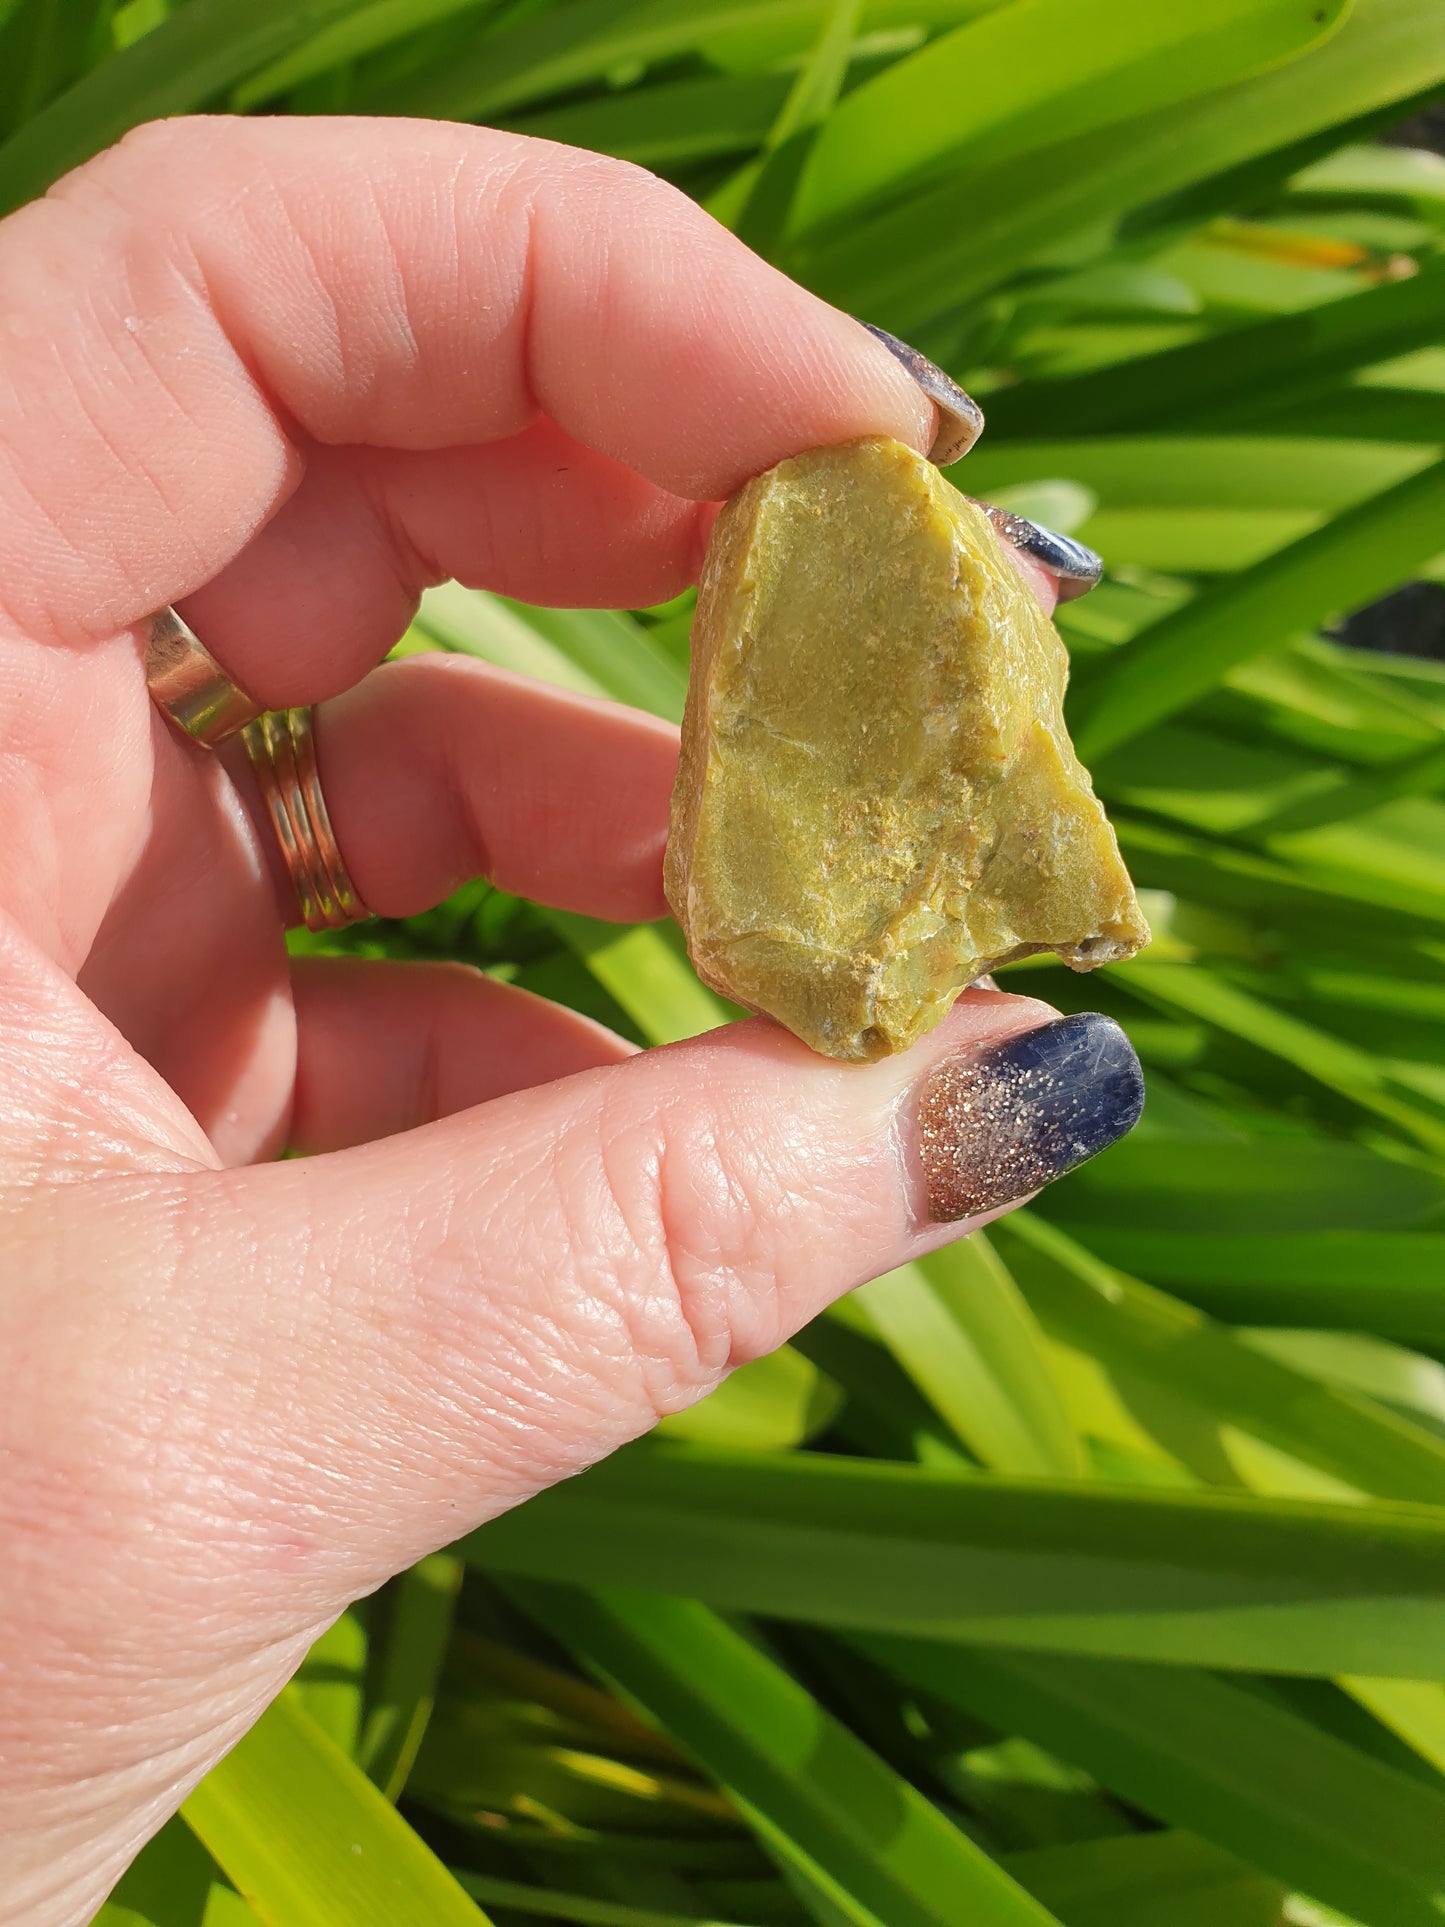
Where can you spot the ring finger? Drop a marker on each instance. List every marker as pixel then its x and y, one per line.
pixel 435 770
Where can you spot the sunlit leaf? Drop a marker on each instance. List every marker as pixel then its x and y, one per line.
pixel 305 1836
pixel 800 1774
pixel 1203 1753
pixel 1038 70
pixel 1207 1578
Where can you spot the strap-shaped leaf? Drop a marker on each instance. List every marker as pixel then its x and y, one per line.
pixel 308 1840
pixel 889 1856
pixel 958 1326
pixel 1391 1282
pixel 1035 71
pixel 1220 381
pixel 1202 1376
pixel 1207 1754
pixel 1206 1578
pixel 912 263
pixel 201 50
pixel 1358 555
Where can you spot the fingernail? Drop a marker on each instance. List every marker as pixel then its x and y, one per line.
pixel 960 419
pixel 1000 1122
pixel 1077 567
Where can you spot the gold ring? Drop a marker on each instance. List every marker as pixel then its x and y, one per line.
pixel 192 688
pixel 282 750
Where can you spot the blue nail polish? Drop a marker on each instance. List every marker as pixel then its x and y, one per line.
pixel 997 1124
pixel 1077 567
pixel 960 419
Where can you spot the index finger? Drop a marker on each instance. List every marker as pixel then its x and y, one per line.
pixel 174 312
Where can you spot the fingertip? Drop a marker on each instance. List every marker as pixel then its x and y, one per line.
pixel 661 338
pixel 1043 585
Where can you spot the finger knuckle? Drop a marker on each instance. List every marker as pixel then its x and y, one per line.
pixel 699 1209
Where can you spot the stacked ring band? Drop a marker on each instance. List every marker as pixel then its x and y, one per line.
pixel 282 750
pixel 192 688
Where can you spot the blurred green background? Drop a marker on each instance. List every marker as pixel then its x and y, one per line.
pixel 1093 1572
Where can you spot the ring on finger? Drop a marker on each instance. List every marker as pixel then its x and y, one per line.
pixel 190 686
pixel 282 749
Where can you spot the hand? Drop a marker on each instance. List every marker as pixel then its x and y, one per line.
pixel 284 374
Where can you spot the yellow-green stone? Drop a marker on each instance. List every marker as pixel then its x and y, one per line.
pixel 878 800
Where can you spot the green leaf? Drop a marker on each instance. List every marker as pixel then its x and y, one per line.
pixel 556 1905
pixel 1412 1709
pixel 613 651
pixel 1199 1752
pixel 174 1882
pixel 885 1415
pixel 361 29
pixel 198 52
pixel 756 200
pixel 1185 1376
pixel 1249 1183
pixel 1366 550
pixel 1201 1578
pixel 1388 1282
pixel 473 623
pixel 947 243
pixel 662 124
pixel 1034 71
pixel 422 1603
pixel 330 1680
pixel 773 1402
pixel 957 1325
pixel 800 1774
pixel 1339 1066
pixel 308 1840
pixel 1211 873
pixel 1147 1879
pixel 645 968
pixel 1222 381
pixel 1218 473
pixel 593 652
pixel 1403 173
pixel 570 45
pixel 1396 1377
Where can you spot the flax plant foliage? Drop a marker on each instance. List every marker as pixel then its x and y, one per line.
pixel 1093 1572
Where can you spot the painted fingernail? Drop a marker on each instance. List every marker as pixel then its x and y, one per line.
pixel 1001 1122
pixel 960 419
pixel 1077 567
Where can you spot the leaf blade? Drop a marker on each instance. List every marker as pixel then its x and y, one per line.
pixel 302 1833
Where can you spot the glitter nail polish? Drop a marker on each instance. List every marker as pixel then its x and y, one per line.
pixel 1001 1122
pixel 1076 567
pixel 960 419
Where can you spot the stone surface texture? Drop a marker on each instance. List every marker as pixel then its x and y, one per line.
pixel 878 800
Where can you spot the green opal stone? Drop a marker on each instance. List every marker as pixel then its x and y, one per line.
pixel 877 800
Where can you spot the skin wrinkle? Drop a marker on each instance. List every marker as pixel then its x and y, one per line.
pixel 11 616
pixel 531 1333
pixel 126 340
pixel 415 565
pixel 156 1781
pixel 717 1293
pixel 672 1318
pixel 47 697
pixel 398 280
pixel 327 356
pixel 603 1309
pixel 164 266
pixel 599 1304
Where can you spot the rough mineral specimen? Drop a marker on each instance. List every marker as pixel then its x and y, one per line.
pixel 878 800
